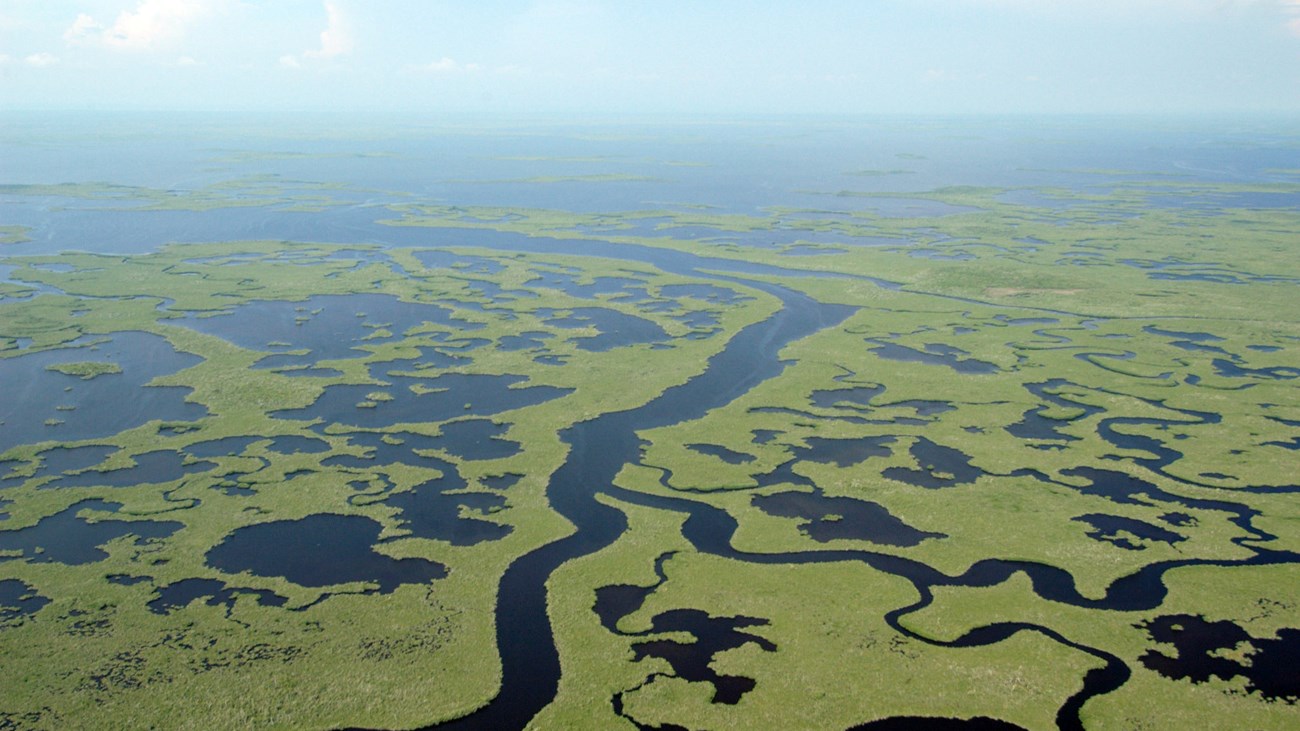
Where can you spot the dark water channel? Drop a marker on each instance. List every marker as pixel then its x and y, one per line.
pixel 599 450
pixel 293 549
pixel 602 446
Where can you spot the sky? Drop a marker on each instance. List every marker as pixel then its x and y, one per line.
pixel 676 57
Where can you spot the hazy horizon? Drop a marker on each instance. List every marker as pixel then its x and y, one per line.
pixel 556 58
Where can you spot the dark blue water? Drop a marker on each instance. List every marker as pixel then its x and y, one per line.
pixel 320 550
pixel 730 456
pixel 162 465
pixel 451 395
pixel 744 170
pixel 599 450
pixel 69 537
pixel 614 329
pixel 327 326
pixel 213 592
pixel 103 405
pixel 933 354
pixel 830 518
pixel 18 600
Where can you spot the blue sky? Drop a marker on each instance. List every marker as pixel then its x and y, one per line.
pixel 654 56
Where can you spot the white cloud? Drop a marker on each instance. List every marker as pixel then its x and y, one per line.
pixel 41 60
pixel 185 61
pixel 151 24
pixel 336 39
pixel 81 30
pixel 446 64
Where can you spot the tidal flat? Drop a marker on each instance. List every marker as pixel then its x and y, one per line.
pixel 614 425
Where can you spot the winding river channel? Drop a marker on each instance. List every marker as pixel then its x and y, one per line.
pixel 800 198
pixel 599 449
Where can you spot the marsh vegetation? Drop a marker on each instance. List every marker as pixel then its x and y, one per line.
pixel 325 439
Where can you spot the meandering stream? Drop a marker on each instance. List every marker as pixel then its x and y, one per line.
pixel 600 447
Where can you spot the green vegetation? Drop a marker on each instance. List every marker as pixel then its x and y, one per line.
pixel 151 666
pixel 1040 296
pixel 85 370
pixel 545 179
pixel 1091 385
pixel 13 234
pixel 250 191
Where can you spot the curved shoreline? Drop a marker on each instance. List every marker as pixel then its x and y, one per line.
pixel 601 446
pixel 598 450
